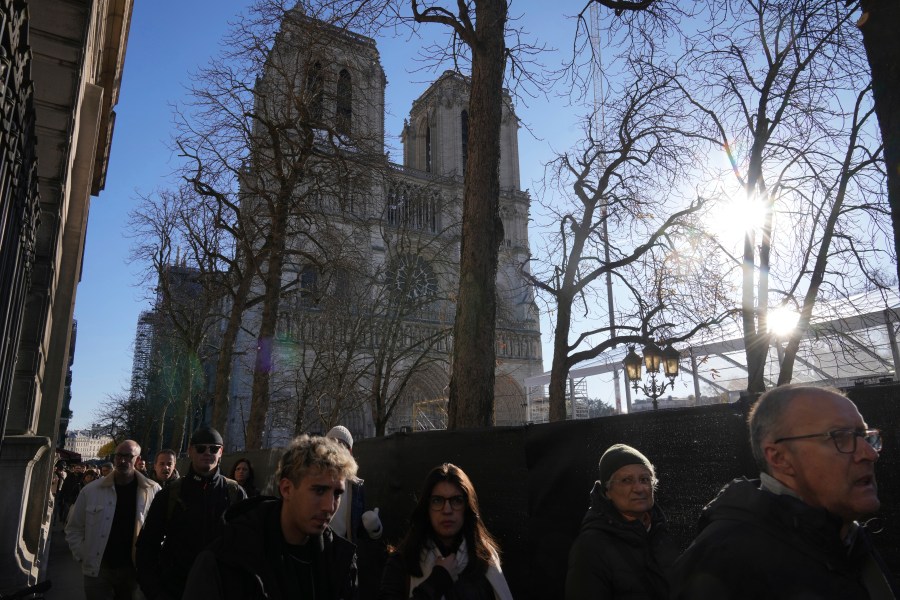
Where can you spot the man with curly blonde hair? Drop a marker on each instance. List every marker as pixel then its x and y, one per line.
pixel 284 547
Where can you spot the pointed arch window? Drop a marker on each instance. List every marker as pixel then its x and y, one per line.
pixel 428 148
pixel 315 88
pixel 464 130
pixel 308 284
pixel 344 103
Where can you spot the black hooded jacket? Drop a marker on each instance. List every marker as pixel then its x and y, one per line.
pixel 184 517
pixel 248 562
pixel 614 558
pixel 756 544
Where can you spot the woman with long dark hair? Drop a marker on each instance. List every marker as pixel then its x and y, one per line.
pixel 448 552
pixel 242 472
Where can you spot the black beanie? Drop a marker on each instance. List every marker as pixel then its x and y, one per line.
pixel 206 435
pixel 618 456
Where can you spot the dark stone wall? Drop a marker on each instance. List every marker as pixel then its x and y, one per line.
pixel 20 203
pixel 533 481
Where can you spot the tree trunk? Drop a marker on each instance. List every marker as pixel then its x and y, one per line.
pixel 226 351
pixel 786 373
pixel 259 400
pixel 755 345
pixel 756 338
pixel 879 26
pixel 472 380
pixel 559 370
pixel 300 415
pixel 181 410
pixel 377 401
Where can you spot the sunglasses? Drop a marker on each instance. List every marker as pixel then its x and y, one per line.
pixel 213 448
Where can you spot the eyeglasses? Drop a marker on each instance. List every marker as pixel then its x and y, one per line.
pixel 213 448
pixel 438 502
pixel 128 457
pixel 844 439
pixel 631 481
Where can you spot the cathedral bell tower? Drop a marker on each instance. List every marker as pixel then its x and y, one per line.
pixel 436 135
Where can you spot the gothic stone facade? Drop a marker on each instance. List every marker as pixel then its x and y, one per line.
pixel 402 223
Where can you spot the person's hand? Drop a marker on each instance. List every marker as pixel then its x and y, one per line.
pixel 372 523
pixel 448 562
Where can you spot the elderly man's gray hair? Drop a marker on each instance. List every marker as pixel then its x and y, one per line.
pixel 767 415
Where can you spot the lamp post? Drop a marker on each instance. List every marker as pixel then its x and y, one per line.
pixel 653 357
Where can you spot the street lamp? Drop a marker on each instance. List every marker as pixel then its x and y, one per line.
pixel 653 357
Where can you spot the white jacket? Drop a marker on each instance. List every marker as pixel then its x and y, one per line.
pixel 92 515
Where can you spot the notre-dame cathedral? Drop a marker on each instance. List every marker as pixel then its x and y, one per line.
pixel 384 250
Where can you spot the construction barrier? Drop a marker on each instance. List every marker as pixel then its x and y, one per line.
pixel 533 481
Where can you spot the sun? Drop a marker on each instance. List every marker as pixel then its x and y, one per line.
pixel 782 320
pixel 729 220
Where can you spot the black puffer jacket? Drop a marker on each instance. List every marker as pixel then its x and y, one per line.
pixel 756 544
pixel 247 562
pixel 183 519
pixel 613 558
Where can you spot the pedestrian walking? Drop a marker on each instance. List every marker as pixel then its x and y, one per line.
pixel 104 523
pixel 623 550
pixel 184 518
pixel 242 472
pixel 448 552
pixel 275 548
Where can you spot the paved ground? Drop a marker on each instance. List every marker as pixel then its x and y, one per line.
pixel 62 569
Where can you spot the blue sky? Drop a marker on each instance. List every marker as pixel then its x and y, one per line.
pixel 164 46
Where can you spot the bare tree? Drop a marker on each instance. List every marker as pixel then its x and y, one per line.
pixel 272 128
pixel 777 82
pixel 773 82
pixel 361 330
pixel 846 210
pixel 411 306
pixel 323 333
pixel 481 27
pixel 624 221
pixel 226 242
pixel 120 417
pixel 878 24
pixel 187 290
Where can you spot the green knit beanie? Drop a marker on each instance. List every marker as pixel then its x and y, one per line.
pixel 618 456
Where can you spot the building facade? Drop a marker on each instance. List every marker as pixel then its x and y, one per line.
pixel 394 231
pixel 86 443
pixel 169 377
pixel 61 75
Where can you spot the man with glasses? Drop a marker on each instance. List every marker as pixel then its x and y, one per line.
pixel 623 549
pixel 794 532
pixel 284 548
pixel 185 517
pixel 104 523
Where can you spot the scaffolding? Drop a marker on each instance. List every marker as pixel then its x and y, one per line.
pixel 429 415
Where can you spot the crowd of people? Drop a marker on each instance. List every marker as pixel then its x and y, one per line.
pixel 793 533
